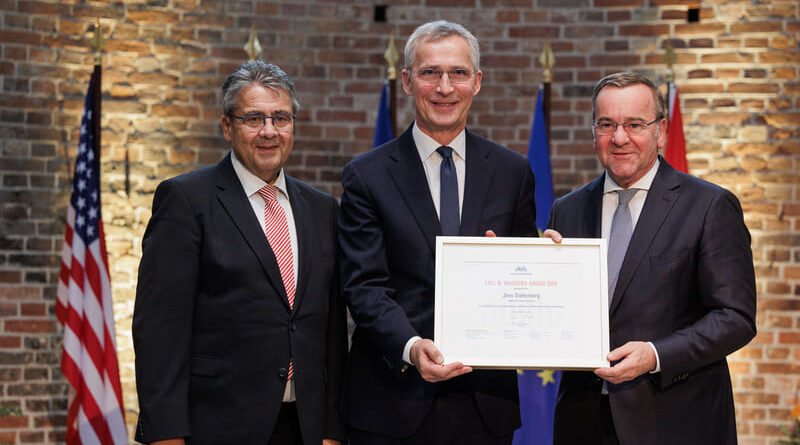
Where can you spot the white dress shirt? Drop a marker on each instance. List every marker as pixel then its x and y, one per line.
pixel 251 185
pixel 635 205
pixel 431 163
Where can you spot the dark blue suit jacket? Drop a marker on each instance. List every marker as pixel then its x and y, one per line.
pixel 388 227
pixel 212 327
pixel 686 284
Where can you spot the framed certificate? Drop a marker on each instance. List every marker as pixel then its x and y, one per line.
pixel 522 302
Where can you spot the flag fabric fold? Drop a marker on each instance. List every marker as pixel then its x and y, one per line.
pixel 675 151
pixel 539 158
pixel 84 307
pixel 538 388
pixel 383 123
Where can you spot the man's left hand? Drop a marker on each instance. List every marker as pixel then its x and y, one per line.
pixel 635 358
pixel 330 442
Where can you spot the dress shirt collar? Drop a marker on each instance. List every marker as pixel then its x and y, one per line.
pixel 252 183
pixel 643 183
pixel 426 145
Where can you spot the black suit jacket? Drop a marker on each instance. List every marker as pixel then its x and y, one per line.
pixel 687 285
pixel 212 327
pixel 388 227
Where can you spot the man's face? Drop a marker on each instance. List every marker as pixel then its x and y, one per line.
pixel 441 107
pixel 627 157
pixel 263 150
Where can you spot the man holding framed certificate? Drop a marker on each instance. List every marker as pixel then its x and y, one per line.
pixel 437 178
pixel 681 285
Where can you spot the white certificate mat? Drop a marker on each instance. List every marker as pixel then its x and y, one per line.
pixel 522 302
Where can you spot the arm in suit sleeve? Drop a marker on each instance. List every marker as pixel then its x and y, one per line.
pixel 525 215
pixel 336 351
pixel 365 271
pixel 162 319
pixel 725 290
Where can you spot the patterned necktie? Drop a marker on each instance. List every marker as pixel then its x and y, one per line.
pixel 448 198
pixel 277 230
pixel 621 231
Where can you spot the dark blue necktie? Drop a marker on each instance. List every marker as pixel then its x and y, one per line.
pixel 448 198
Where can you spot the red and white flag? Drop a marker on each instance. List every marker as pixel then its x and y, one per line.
pixel 675 152
pixel 84 307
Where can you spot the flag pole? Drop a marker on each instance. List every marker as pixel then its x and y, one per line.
pixel 392 56
pixel 548 60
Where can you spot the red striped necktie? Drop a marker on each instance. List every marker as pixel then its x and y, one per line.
pixel 277 230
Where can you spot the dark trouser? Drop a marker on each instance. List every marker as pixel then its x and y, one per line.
pixel 287 427
pixel 584 418
pixel 452 419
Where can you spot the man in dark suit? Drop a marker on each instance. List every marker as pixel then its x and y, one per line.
pixel 239 325
pixel 436 178
pixel 681 285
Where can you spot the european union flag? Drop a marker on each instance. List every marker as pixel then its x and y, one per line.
pixel 538 389
pixel 539 157
pixel 383 124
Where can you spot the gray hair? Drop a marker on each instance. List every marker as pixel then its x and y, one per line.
pixel 256 72
pixel 628 78
pixel 440 29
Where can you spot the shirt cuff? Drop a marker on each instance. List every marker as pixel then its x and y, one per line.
pixel 658 361
pixel 407 349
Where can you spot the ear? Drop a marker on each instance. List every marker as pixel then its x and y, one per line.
pixel 407 82
pixel 662 133
pixel 227 127
pixel 477 86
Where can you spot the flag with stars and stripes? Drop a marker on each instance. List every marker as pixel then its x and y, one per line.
pixel 84 307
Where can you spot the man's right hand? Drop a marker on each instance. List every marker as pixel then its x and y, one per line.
pixel 553 235
pixel 169 442
pixel 430 362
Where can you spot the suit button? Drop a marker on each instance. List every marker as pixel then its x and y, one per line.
pixel 291 326
pixel 283 373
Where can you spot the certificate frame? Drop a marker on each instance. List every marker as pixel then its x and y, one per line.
pixel 522 303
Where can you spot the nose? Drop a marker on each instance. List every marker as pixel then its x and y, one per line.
pixel 620 135
pixel 268 131
pixel 444 86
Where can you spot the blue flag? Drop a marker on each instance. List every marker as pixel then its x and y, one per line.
pixel 383 124
pixel 538 389
pixel 539 157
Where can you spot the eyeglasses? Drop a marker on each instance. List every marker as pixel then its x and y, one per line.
pixel 256 120
pixel 434 75
pixel 606 128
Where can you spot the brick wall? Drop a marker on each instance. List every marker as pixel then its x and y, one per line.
pixel 165 60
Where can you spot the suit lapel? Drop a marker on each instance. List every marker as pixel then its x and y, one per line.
pixel 591 222
pixel 405 169
pixel 479 170
pixel 660 199
pixel 233 200
pixel 303 217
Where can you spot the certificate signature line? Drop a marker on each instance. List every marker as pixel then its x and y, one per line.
pixel 518 305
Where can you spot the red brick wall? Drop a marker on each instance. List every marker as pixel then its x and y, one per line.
pixel 165 60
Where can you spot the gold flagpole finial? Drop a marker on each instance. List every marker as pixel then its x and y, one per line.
pixel 98 42
pixel 669 60
pixel 253 46
pixel 548 60
pixel 392 56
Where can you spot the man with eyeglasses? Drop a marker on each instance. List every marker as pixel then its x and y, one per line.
pixel 239 325
pixel 681 285
pixel 437 178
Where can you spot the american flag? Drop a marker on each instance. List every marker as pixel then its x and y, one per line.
pixel 84 306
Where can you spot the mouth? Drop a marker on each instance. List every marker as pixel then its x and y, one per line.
pixel 444 105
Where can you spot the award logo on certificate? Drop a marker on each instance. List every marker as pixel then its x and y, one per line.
pixel 522 302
